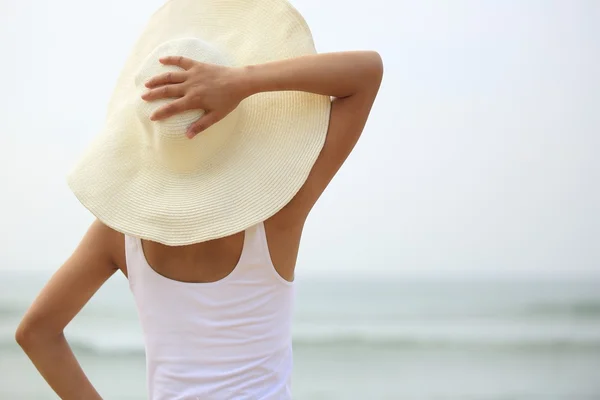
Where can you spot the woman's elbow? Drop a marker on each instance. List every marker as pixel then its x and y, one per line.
pixel 25 333
pixel 376 66
pixel 31 332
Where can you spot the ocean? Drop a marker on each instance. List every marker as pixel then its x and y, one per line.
pixel 414 338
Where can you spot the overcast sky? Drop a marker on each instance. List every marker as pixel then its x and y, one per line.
pixel 479 154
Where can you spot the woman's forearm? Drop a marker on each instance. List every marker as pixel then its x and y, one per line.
pixel 339 74
pixel 56 362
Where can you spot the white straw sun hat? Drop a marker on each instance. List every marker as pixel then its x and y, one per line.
pixel 148 180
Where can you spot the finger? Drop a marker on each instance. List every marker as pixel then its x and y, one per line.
pixel 180 61
pixel 175 107
pixel 166 79
pixel 205 122
pixel 164 92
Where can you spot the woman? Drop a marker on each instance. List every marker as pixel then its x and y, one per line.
pixel 207 228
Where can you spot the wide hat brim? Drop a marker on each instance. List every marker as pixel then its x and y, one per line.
pixel 277 139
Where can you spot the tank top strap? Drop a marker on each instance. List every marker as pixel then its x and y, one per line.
pixel 252 251
pixel 133 258
pixel 256 257
pixel 262 243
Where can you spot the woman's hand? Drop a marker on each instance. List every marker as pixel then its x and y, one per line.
pixel 212 88
pixel 218 90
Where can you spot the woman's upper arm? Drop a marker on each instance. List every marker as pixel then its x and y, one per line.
pixel 346 123
pixel 94 261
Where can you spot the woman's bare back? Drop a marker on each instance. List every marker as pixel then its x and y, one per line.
pixel 214 260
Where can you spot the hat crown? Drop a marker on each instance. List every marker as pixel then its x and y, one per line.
pixel 167 137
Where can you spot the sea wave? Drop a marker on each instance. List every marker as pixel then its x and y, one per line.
pixel 584 309
pixel 581 308
pixel 10 310
pixel 103 344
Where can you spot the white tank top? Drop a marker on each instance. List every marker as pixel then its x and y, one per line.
pixel 229 339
